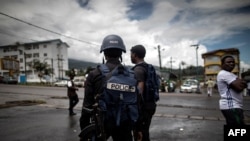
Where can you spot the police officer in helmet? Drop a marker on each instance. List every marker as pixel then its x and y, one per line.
pixel 112 46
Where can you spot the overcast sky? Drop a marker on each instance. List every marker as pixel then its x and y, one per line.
pixel 175 25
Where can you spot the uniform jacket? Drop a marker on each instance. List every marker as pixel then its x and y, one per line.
pixel 93 83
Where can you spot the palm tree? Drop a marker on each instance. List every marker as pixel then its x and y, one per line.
pixel 182 63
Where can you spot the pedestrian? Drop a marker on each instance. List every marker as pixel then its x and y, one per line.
pixel 72 95
pixel 231 92
pixel 210 85
pixel 248 88
pixel 112 46
pixel 147 108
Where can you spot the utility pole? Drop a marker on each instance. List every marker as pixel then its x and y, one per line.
pixel 197 47
pixel 24 59
pixel 60 66
pixel 25 67
pixel 52 70
pixel 159 54
pixel 58 63
pixel 171 61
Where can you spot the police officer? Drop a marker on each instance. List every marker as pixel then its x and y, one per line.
pixel 72 95
pixel 112 46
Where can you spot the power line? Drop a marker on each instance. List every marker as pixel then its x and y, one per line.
pixel 46 29
pixel 16 36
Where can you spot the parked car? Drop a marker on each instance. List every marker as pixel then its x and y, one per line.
pixel 186 88
pixel 189 86
pixel 9 80
pixel 79 82
pixel 1 79
pixel 61 83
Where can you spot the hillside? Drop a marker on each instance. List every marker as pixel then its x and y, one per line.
pixel 80 64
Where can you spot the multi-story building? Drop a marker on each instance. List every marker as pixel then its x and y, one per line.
pixel 212 61
pixel 53 52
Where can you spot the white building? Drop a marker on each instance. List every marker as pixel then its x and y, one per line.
pixel 54 52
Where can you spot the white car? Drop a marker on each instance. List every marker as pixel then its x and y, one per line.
pixel 186 88
pixel 61 83
pixel 79 82
pixel 189 86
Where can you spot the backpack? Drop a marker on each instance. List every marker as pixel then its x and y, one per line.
pixel 118 101
pixel 152 85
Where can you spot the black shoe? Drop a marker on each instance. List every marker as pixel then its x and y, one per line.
pixel 72 114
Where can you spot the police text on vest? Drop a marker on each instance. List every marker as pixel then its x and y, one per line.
pixel 120 87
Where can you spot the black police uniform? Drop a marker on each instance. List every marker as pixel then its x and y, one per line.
pixel 93 86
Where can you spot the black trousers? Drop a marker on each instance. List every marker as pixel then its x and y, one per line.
pixel 146 122
pixel 84 119
pixel 234 116
pixel 73 100
pixel 120 133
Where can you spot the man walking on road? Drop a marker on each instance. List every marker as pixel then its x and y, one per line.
pixel 210 85
pixel 72 95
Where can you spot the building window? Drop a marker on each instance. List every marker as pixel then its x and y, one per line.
pixel 6 50
pixel 45 54
pixel 35 46
pixel 28 56
pixel 14 57
pixel 213 59
pixel 44 46
pixel 27 47
pixel 21 60
pixel 15 48
pixel 36 55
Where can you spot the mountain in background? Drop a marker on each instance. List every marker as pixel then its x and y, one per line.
pixel 83 65
pixel 80 64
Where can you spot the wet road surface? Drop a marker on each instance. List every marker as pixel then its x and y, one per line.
pixel 179 117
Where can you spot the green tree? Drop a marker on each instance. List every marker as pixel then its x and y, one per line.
pixel 41 68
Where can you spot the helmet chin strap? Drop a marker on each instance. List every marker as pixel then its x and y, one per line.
pixel 121 58
pixel 103 60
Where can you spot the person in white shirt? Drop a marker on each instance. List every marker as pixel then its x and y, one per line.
pixel 231 92
pixel 71 92
pixel 210 85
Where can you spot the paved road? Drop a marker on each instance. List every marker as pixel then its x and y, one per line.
pixel 189 117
